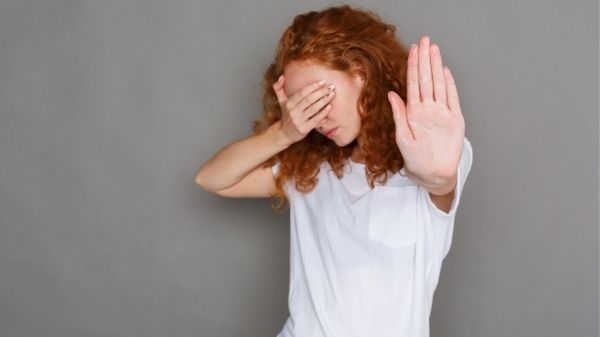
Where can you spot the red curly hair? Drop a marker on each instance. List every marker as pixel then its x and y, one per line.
pixel 357 42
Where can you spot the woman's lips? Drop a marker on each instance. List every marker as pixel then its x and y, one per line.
pixel 330 133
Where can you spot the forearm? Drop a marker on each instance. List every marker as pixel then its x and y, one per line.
pixel 234 161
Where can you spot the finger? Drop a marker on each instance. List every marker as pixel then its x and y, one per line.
pixel 412 77
pixel 318 118
pixel 399 112
pixel 295 98
pixel 425 84
pixel 278 87
pixel 318 105
pixel 452 92
pixel 439 80
pixel 322 122
pixel 310 99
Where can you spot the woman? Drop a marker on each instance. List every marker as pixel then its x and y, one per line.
pixel 373 182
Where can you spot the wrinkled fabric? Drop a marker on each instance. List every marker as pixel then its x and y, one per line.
pixel 366 262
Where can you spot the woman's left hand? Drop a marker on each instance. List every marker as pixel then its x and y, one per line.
pixel 430 128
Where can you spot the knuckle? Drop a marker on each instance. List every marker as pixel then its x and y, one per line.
pixel 297 123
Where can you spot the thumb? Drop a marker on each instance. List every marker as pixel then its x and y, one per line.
pixel 278 88
pixel 399 112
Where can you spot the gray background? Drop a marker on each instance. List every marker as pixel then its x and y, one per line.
pixel 109 107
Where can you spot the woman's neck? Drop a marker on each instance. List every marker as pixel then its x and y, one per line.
pixel 358 155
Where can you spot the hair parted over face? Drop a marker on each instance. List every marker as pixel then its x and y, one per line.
pixel 359 53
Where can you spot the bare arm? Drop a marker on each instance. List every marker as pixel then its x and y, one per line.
pixel 235 170
pixel 236 160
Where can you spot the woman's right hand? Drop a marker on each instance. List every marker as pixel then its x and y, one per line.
pixel 304 110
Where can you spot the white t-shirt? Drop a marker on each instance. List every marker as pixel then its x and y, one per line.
pixel 366 263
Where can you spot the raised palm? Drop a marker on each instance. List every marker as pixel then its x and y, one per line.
pixel 430 128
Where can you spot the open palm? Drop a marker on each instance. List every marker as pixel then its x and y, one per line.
pixel 430 128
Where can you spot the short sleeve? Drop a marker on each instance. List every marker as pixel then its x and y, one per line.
pixel 286 185
pixel 275 169
pixel 464 168
pixel 441 223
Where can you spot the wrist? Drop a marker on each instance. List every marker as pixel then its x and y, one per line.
pixel 278 136
pixel 436 184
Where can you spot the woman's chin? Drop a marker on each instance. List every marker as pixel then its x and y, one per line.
pixel 341 142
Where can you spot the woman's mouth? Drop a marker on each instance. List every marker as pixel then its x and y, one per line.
pixel 330 132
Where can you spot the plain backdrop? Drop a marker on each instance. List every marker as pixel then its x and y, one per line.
pixel 108 108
